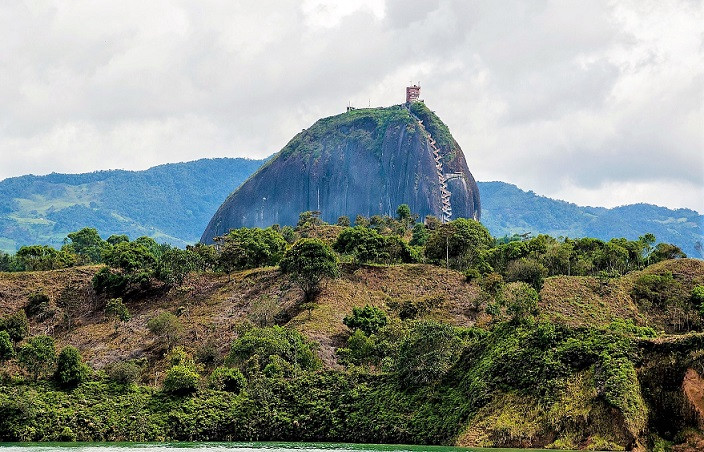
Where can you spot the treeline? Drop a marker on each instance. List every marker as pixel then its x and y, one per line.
pixel 462 244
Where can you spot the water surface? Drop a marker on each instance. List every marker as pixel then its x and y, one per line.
pixel 233 447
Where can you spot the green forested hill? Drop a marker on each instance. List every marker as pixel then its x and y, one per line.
pixel 171 203
pixel 174 203
pixel 506 210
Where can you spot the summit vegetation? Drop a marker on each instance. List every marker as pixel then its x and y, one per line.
pixel 373 329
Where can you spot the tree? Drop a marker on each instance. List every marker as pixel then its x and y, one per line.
pixel 38 355
pixel 419 236
pixel 403 212
pixel 405 216
pixel 70 369
pixel 664 251
pixel 308 262
pixel 7 351
pixel 115 239
pixel 166 327
pixel 368 319
pixel 458 243
pixel 42 257
pixel 130 257
pixel 124 372
pixel 129 264
pixel 697 298
pixel 206 256
pixel 174 265
pixel 86 244
pixel 309 218
pixel 647 241
pixel 368 245
pixel 251 248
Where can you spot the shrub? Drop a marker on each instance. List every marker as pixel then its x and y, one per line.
pixel 227 379
pixel 427 353
pixel 16 325
pixel 166 326
pixel 207 353
pixel 521 301
pixel 472 274
pixel 181 380
pixel 360 349
pixel 124 372
pixel 527 270
pixel 697 298
pixel 38 355
pixel 6 349
pixel 117 310
pixel 287 343
pixel 70 369
pixel 111 283
pixel 37 303
pixel 368 319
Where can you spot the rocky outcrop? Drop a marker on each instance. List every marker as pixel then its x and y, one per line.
pixel 365 161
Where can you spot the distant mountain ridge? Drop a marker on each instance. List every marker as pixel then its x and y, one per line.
pixel 506 210
pixel 171 202
pixel 174 203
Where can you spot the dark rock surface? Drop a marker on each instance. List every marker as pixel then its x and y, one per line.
pixel 366 161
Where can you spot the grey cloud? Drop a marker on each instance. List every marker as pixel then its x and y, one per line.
pixel 537 93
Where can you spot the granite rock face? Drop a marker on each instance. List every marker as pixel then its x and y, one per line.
pixel 365 161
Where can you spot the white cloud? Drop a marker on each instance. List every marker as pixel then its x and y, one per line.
pixel 570 99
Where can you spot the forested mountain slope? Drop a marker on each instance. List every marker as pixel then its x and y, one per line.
pixel 171 203
pixel 507 210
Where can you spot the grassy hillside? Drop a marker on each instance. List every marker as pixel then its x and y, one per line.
pixel 171 203
pixel 542 383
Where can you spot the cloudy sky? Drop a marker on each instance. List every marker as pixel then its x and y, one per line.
pixel 599 103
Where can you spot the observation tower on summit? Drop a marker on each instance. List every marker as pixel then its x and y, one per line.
pixel 412 93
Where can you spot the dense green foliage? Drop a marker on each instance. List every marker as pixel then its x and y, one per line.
pixel 508 210
pixel 166 326
pixel 174 202
pixel 368 319
pixel 402 372
pixel 273 349
pixel 181 379
pixel 251 248
pixel 460 371
pixel 7 351
pixel 38 355
pixel 70 369
pixel 16 325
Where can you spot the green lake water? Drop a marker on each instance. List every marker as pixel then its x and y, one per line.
pixel 231 447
